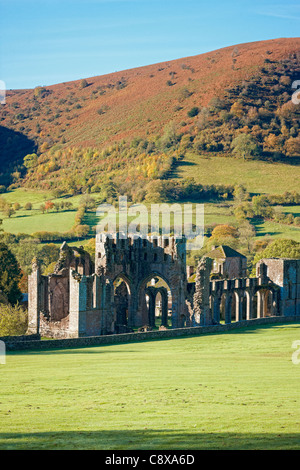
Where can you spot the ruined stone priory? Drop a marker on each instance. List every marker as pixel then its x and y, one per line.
pixel 135 284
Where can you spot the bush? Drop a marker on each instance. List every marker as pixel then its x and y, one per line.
pixel 297 221
pixel 83 84
pixel 280 248
pixel 193 112
pixel 40 92
pixel 13 320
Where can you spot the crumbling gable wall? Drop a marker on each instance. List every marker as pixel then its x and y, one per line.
pixel 49 296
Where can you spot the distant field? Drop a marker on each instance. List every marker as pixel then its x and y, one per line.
pixel 214 213
pixel 36 197
pixel 24 222
pixel 195 166
pixel 26 195
pixel 238 390
pixel 218 214
pixel 257 176
pixel 276 230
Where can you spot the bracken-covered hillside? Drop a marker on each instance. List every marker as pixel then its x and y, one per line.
pixel 149 116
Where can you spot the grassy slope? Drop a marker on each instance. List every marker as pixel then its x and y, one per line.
pixel 228 391
pixel 24 221
pixel 146 103
pixel 257 176
pixel 275 230
pixel 143 107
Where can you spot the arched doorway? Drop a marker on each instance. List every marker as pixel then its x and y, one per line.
pixel 268 307
pixel 239 306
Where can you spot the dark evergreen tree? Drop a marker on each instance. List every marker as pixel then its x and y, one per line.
pixel 10 274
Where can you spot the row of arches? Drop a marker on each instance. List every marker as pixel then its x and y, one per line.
pixel 243 305
pixel 150 304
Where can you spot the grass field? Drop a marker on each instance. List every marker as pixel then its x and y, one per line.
pixel 276 230
pixel 257 176
pixel 35 221
pixel 238 390
pixel 24 221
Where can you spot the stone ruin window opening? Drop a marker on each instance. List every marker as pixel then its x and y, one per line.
pixel 156 301
pixel 122 299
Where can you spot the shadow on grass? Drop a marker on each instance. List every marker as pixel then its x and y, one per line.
pixel 90 349
pixel 184 163
pixel 148 439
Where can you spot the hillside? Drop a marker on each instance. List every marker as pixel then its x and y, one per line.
pixel 208 99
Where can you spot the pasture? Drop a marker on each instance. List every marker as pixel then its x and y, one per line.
pixel 238 390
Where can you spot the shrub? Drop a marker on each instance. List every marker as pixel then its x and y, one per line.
pixel 17 206
pixel 40 92
pixel 13 320
pixel 280 248
pixel 193 112
pixel 28 206
pixel 83 84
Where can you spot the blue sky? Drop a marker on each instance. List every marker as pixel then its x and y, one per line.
pixel 43 42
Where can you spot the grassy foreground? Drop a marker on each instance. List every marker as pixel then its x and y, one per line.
pixel 224 391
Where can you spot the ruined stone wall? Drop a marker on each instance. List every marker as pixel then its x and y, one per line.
pixel 50 297
pixel 201 307
pixel 75 301
pixel 285 273
pixel 235 267
pixel 138 260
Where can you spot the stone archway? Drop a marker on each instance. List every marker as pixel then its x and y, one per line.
pixel 268 303
pixel 147 300
pixel 239 301
pixel 122 302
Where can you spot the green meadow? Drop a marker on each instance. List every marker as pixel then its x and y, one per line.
pixel 36 221
pixel 238 390
pixel 30 221
pixel 258 176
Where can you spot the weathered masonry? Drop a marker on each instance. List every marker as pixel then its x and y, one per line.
pixel 135 282
pixel 114 294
